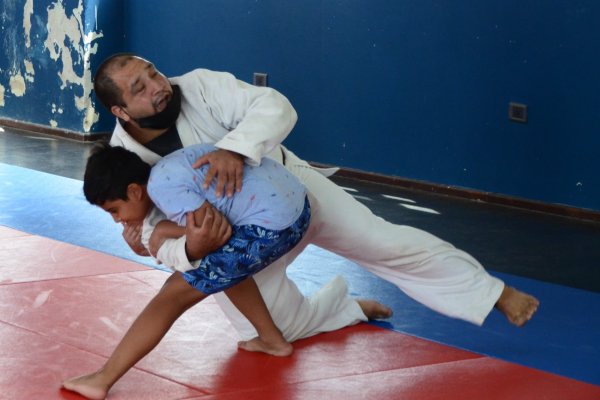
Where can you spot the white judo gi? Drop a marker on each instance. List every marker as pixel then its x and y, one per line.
pixel 253 121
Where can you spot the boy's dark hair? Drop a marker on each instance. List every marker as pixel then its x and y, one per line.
pixel 109 171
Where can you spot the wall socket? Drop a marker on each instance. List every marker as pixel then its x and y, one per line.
pixel 260 79
pixel 517 112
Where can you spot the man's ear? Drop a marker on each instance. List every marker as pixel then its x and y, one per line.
pixel 135 191
pixel 119 112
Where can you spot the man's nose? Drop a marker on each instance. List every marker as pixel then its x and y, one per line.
pixel 154 86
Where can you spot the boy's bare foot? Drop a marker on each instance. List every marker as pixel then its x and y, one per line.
pixel 374 310
pixel 517 306
pixel 90 386
pixel 281 349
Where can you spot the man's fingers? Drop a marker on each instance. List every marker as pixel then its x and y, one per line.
pixel 227 234
pixel 208 220
pixel 190 220
pixel 221 182
pixel 201 161
pixel 223 229
pixel 231 185
pixel 227 167
pixel 201 212
pixel 224 226
pixel 212 172
pixel 239 174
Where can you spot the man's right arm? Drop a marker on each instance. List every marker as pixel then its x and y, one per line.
pixel 206 231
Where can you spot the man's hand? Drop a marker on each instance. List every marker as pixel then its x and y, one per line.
pixel 206 230
pixel 227 167
pixel 132 233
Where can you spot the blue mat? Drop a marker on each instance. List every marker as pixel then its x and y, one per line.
pixel 562 338
pixel 54 207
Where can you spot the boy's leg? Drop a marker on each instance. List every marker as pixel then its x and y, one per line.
pixel 247 299
pixel 250 249
pixel 173 299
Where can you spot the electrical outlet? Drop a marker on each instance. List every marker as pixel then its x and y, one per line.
pixel 260 79
pixel 517 112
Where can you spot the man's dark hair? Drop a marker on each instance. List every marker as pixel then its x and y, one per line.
pixel 107 91
pixel 109 171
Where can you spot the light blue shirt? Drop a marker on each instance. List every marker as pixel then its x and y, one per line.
pixel 271 196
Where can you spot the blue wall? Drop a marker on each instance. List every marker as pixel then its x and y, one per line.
pixel 412 88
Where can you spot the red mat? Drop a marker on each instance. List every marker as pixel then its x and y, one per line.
pixel 63 309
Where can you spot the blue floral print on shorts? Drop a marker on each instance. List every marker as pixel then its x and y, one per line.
pixel 250 249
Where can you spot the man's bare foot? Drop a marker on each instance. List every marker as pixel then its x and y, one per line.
pixel 281 349
pixel 517 306
pixel 89 386
pixel 374 310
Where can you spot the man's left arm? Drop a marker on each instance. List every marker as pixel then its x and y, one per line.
pixel 258 118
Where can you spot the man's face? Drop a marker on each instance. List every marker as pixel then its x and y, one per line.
pixel 145 90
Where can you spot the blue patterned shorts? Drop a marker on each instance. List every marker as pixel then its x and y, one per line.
pixel 250 249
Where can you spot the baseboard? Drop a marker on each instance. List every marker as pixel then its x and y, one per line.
pixel 56 132
pixel 492 198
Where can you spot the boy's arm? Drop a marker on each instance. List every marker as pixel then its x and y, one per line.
pixel 164 230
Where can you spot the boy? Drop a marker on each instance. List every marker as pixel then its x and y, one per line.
pixel 119 182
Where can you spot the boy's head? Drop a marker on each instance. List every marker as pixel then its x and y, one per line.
pixel 115 179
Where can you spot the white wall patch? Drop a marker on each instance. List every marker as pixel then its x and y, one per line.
pixel 27 12
pixel 68 42
pixel 30 71
pixel 17 85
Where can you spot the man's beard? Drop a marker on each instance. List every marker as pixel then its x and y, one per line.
pixel 167 117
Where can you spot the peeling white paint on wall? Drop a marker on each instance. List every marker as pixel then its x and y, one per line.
pixel 30 71
pixel 56 109
pixel 53 123
pixel 17 85
pixel 66 35
pixel 58 43
pixel 27 12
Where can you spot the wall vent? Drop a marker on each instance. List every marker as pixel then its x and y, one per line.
pixel 517 112
pixel 260 79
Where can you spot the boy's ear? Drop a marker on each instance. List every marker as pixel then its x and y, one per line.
pixel 135 191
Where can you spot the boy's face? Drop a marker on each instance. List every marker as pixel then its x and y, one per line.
pixel 132 210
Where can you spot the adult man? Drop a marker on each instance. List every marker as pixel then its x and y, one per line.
pixel 157 115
